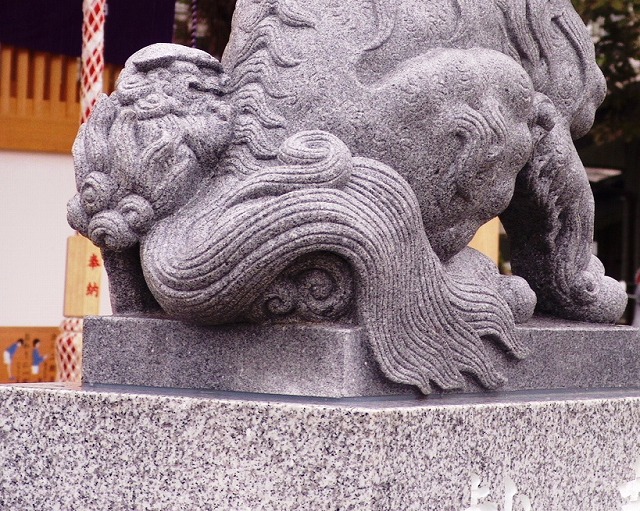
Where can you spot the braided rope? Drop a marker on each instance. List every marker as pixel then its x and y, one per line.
pixel 92 54
pixel 69 351
pixel 69 343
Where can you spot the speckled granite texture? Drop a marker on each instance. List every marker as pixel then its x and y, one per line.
pixel 132 449
pixel 335 361
pixel 317 360
pixel 337 163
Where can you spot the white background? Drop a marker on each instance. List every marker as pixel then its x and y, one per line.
pixel 34 190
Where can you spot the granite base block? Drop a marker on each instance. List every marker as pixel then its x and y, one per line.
pixel 128 449
pixel 333 361
pixel 309 359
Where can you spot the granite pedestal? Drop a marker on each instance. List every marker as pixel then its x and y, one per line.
pixel 133 449
pixel 332 361
pixel 136 448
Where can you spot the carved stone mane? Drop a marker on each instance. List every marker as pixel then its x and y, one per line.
pixel 356 59
pixel 338 166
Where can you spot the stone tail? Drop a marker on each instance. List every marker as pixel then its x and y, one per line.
pixel 423 326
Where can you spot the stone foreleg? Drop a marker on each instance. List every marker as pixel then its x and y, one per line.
pixel 550 226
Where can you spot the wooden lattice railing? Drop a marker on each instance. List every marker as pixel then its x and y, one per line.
pixel 39 99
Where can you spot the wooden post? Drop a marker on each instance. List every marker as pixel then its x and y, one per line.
pixel 83 284
pixel 83 278
pixel 487 240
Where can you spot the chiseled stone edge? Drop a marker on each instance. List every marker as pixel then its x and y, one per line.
pixel 293 359
pixel 335 361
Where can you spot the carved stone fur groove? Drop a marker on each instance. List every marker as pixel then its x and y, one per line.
pixel 424 340
pixel 337 166
pixel 364 81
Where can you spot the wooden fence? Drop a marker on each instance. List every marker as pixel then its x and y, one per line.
pixel 40 99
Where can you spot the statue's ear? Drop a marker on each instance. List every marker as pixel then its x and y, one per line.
pixel 480 139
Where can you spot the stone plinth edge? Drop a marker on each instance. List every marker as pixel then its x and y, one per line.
pixel 334 361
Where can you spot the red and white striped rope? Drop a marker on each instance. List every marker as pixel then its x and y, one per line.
pixel 93 14
pixel 69 343
pixel 69 351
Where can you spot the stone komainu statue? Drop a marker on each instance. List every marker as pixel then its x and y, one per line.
pixel 335 166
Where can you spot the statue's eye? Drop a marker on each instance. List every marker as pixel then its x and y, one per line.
pixel 153 105
pixel 133 87
pixel 153 99
pixel 96 192
pixel 133 81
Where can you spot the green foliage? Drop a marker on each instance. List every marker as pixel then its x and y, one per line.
pixel 217 16
pixel 615 25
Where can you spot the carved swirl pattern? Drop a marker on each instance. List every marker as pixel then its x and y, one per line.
pixel 235 221
pixel 423 327
pixel 546 37
pixel 262 50
pixel 147 147
pixel 317 287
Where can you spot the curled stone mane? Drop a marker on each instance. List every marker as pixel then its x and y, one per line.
pixel 352 53
pixel 319 198
pixel 254 84
pixel 148 146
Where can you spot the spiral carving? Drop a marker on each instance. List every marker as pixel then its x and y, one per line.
pixel 239 215
pixel 310 159
pixel 145 149
pixel 318 287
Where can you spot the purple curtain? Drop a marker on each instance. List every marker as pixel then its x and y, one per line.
pixel 56 26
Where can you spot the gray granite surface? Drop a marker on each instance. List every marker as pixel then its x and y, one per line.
pixel 128 449
pixel 294 359
pixel 324 360
pixel 336 164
